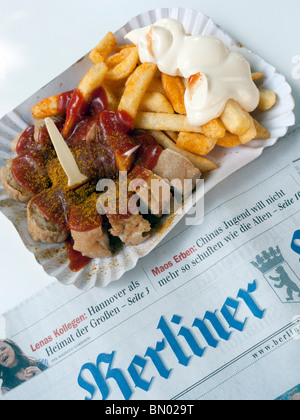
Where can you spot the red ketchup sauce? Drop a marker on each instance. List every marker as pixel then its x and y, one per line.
pixel 54 204
pixel 26 142
pixel 149 151
pixel 84 217
pixel 114 127
pixel 77 261
pixel 64 100
pixel 78 108
pixel 28 168
pixel 76 111
pixel 30 173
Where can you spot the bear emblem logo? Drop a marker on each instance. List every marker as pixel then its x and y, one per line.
pixel 279 275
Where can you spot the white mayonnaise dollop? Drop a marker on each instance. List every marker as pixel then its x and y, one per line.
pixel 215 74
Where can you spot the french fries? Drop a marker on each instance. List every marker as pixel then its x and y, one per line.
pixel 214 129
pixel 235 118
pixel 156 102
pixel 46 108
pixel 117 58
pixel 229 140
pixel 250 133
pixel 261 132
pixel 267 99
pixel 196 143
pixel 103 49
pixel 257 76
pixel 165 122
pixel 156 86
pixel 112 100
pixel 175 90
pixel 124 68
pixel 136 88
pixel 92 80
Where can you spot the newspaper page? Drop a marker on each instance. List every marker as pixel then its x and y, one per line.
pixel 212 314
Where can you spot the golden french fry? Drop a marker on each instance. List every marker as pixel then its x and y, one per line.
pixel 128 80
pixel 103 49
pixel 261 132
pixel 195 143
pixel 214 129
pixel 136 88
pixel 125 68
pixel 46 108
pixel 156 86
pixel 175 91
pixel 251 133
pixel 203 164
pixel 92 80
pixel 257 76
pixel 112 101
pixel 267 99
pixel 156 102
pixel 232 140
pixel 229 140
pixel 116 59
pixel 121 47
pixel 165 122
pixel 235 118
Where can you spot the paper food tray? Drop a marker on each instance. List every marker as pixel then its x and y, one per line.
pixel 101 272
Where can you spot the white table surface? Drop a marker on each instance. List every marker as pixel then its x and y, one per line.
pixel 40 39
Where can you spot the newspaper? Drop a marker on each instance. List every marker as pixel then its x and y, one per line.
pixel 213 313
